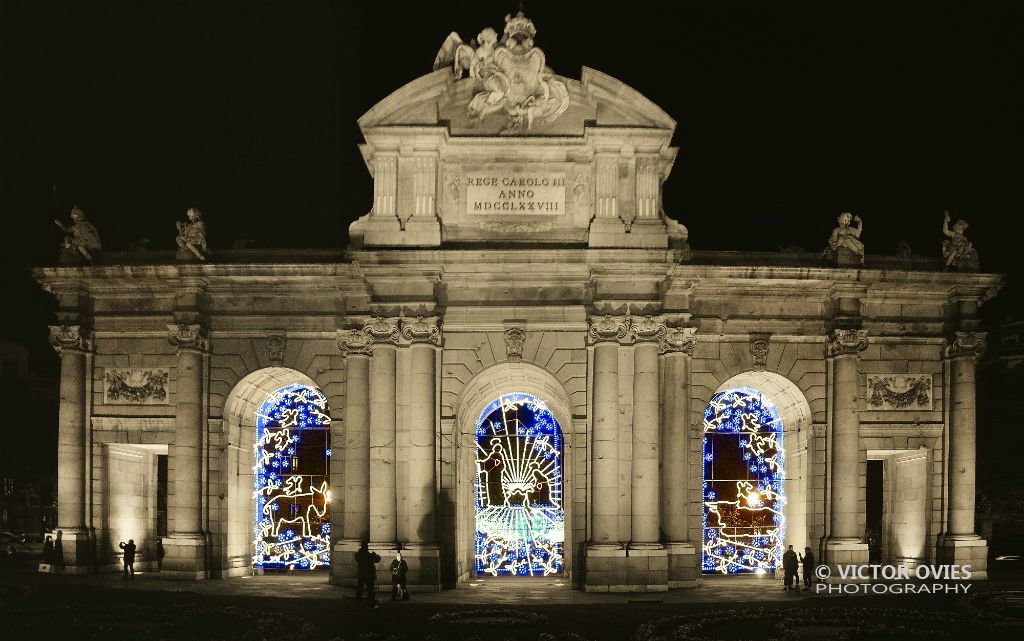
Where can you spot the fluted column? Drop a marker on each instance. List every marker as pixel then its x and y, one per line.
pixel 424 335
pixel 962 350
pixel 72 441
pixel 645 516
pixel 185 548
pixel 843 347
pixel 350 507
pixel 605 334
pixel 677 346
pixel 383 491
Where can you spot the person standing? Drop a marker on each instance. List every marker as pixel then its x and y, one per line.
pixel 790 565
pixel 808 562
pixel 366 573
pixel 48 550
pixel 399 570
pixel 129 558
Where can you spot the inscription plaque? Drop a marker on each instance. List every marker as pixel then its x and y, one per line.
pixel 497 193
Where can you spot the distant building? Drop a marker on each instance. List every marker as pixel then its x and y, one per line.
pixel 518 367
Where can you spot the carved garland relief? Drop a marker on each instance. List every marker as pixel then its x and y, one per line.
pixel 899 392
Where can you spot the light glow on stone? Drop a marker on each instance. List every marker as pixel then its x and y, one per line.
pixel 290 480
pixel 744 527
pixel 520 521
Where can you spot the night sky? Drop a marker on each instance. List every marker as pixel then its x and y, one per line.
pixel 788 114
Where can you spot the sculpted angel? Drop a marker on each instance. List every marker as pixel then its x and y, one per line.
pixel 511 75
pixel 846 236
pixel 957 249
pixel 82 236
pixel 192 234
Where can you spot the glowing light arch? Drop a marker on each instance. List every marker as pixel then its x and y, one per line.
pixel 520 518
pixel 291 480
pixel 743 483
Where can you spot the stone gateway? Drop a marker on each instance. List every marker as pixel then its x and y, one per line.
pixel 517 368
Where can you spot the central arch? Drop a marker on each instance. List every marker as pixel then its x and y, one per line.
pixel 523 382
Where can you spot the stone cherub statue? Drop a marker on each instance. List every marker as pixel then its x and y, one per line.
pixel 510 74
pixel 192 234
pixel 957 250
pixel 81 236
pixel 847 237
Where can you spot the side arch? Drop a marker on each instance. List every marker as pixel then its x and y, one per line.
pixel 796 417
pixel 233 534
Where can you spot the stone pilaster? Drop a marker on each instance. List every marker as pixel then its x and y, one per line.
pixel 845 541
pixel 683 562
pixel 73 461
pixel 960 544
pixel 350 500
pixel 424 336
pixel 186 548
pixel 384 333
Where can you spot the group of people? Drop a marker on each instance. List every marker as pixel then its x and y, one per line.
pixel 791 562
pixel 366 575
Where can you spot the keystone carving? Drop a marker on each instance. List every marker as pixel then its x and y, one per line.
pixel 759 349
pixel 845 342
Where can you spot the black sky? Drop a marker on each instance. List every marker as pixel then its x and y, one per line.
pixel 787 115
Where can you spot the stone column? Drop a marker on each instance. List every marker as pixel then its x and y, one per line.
pixel 383 453
pixel 186 547
pixel 604 486
pixel 677 347
pixel 960 544
pixel 72 446
pixel 421 493
pixel 845 540
pixel 646 502
pixel 350 498
pixel 606 556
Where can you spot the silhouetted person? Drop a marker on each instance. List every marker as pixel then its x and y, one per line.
pixel 366 573
pixel 790 564
pixel 808 561
pixel 129 558
pixel 48 550
pixel 159 552
pixel 399 570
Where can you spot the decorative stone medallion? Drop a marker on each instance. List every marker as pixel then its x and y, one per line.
pixel 899 392
pixel 135 386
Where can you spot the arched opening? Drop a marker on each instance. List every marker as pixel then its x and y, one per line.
pixel 276 467
pixel 520 518
pixel 291 480
pixel 754 474
pixel 508 380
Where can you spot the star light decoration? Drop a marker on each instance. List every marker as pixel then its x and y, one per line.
pixel 290 480
pixel 520 521
pixel 744 528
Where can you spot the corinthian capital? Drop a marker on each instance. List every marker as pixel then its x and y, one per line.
pixel 383 331
pixel 422 330
pixel 354 342
pixel 189 337
pixel 609 328
pixel 962 344
pixel 70 337
pixel 648 329
pixel 679 340
pixel 845 342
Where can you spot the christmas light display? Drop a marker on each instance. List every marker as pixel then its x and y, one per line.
pixel 743 489
pixel 290 480
pixel 520 521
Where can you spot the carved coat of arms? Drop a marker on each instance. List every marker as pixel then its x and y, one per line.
pixel 510 75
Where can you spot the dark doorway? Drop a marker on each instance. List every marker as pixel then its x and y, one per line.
pixel 875 493
pixel 161 495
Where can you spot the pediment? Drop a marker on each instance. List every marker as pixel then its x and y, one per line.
pixel 439 100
